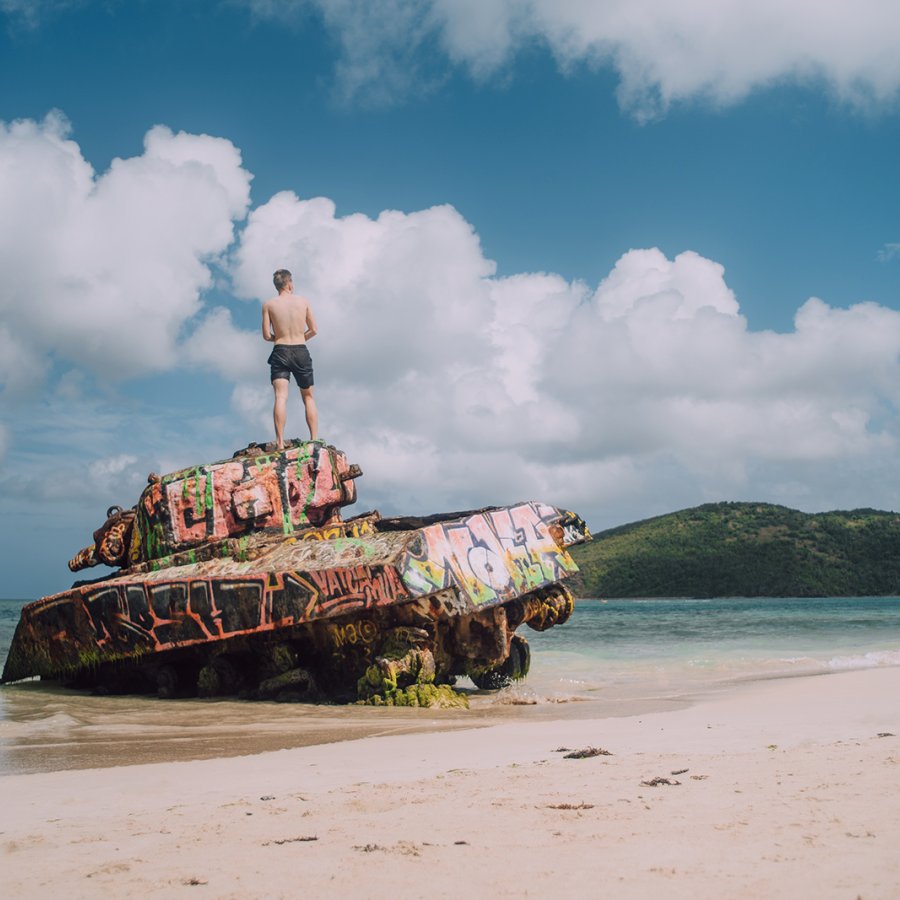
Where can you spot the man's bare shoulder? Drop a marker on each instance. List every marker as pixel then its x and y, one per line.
pixel 287 300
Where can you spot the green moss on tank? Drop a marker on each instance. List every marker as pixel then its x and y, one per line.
pixel 440 696
pixel 407 679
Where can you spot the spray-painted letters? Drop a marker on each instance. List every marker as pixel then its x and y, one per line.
pixel 490 556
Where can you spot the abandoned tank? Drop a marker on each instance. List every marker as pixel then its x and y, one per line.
pixel 242 578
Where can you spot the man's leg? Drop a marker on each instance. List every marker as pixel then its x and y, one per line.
pixel 312 413
pixel 281 386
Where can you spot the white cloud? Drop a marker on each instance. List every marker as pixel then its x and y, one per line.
pixel 452 387
pixel 663 52
pixel 253 403
pixel 111 465
pixel 380 44
pixel 674 369
pixel 217 345
pixel 105 271
pixel 20 367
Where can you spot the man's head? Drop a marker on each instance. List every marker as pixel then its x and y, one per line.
pixel 282 280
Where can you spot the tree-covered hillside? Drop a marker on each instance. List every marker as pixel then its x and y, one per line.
pixel 745 550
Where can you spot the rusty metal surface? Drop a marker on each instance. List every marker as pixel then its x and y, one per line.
pixel 485 559
pixel 292 583
pixel 305 484
pixel 253 548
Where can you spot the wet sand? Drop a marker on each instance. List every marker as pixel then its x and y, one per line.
pixel 783 788
pixel 46 728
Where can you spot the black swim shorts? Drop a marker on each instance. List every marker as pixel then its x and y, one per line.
pixel 292 359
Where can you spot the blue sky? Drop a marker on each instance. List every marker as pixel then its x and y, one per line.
pixel 625 258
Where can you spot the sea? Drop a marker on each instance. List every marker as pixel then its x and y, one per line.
pixel 613 657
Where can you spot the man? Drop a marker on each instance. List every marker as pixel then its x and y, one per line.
pixel 287 321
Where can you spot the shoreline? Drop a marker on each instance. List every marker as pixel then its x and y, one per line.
pixel 59 729
pixel 776 788
pixel 88 732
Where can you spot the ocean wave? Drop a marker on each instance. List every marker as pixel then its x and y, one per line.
pixel 872 660
pixel 521 694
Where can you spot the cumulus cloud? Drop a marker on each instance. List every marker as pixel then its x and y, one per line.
pixel 452 386
pixel 105 271
pixel 217 345
pixel 20 368
pixel 662 52
pixel 673 368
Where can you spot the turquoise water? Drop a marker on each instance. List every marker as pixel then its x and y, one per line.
pixel 688 643
pixel 617 653
pixel 9 616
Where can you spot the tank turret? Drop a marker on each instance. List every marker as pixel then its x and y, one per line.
pixel 260 489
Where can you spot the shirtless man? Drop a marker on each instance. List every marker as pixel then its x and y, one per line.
pixel 287 321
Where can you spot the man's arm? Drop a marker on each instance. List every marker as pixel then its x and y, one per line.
pixel 310 324
pixel 268 332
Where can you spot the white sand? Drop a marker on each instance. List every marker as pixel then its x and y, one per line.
pixel 788 792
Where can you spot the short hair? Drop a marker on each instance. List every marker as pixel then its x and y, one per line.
pixel 281 279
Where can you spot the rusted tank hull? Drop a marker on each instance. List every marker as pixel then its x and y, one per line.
pixel 329 599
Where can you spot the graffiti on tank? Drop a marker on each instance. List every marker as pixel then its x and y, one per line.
pixel 290 598
pixel 168 614
pixel 359 587
pixel 297 488
pixel 362 528
pixel 490 556
pixel 114 619
pixel 102 607
pixel 353 633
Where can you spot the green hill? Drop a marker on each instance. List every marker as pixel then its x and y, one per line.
pixel 745 550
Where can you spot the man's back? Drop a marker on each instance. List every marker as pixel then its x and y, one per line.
pixel 289 318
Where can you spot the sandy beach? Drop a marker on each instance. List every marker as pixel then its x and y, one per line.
pixel 781 788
